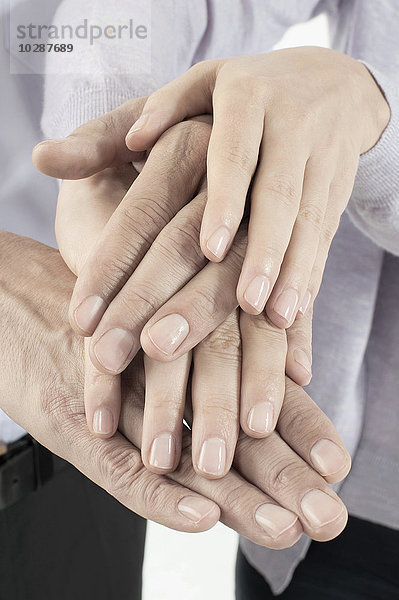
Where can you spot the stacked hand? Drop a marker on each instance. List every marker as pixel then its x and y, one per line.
pixel 139 221
pixel 134 242
pixel 272 494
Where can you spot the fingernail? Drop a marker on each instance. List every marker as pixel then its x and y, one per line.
pixel 286 304
pixel 302 359
pixel 114 348
pixel 274 520
pixel 327 457
pixel 260 418
pixel 305 302
pixel 195 508
pixel 162 455
pixel 257 291
pixel 212 459
pixel 139 124
pixel 103 421
pixel 89 313
pixel 319 508
pixel 169 333
pixel 218 242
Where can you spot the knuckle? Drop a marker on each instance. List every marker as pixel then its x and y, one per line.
pixel 116 268
pixel 240 159
pixel 205 305
pixel 223 341
pixel 139 302
pixel 120 469
pixel 284 190
pixel 327 233
pixel 286 476
pixel 146 217
pixel 179 245
pixel 235 497
pixel 313 215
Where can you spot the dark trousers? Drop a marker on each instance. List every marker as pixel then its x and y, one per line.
pixel 70 540
pixel 361 564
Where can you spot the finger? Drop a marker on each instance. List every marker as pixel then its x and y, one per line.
pixel 115 465
pixel 215 399
pixel 275 200
pixel 232 158
pixel 92 147
pixel 293 281
pixel 340 191
pixel 84 208
pixel 291 482
pixel 196 310
pixel 168 180
pixel 102 396
pixel 172 260
pixel 165 396
pixel 244 507
pixel 264 349
pixel 299 354
pixel 188 95
pixel 312 435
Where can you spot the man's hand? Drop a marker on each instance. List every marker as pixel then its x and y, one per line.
pixel 41 388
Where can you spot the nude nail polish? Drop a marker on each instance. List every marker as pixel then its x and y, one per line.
pixel 169 333
pixel 302 359
pixel 257 292
pixel 103 421
pixel 89 313
pixel 305 302
pixel 260 417
pixel 286 305
pixel 218 242
pixel 162 454
pixel 114 348
pixel 212 459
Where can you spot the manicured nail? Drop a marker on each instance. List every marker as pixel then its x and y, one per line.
pixel 218 242
pixel 257 291
pixel 169 333
pixel 327 457
pixel 162 455
pixel 114 348
pixel 195 508
pixel 139 124
pixel 103 421
pixel 212 459
pixel 305 302
pixel 319 508
pixel 302 359
pixel 260 418
pixel 275 520
pixel 286 304
pixel 89 313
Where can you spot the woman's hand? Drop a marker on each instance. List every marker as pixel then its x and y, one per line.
pixel 292 123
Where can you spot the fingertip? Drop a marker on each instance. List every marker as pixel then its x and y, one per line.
pixel 104 422
pixel 216 244
pixel 201 512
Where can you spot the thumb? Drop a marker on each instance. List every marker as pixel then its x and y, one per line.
pixel 94 146
pixel 187 96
